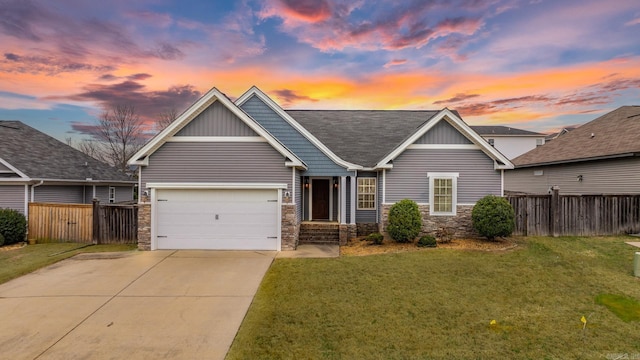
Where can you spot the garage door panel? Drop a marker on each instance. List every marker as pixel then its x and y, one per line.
pixel 217 219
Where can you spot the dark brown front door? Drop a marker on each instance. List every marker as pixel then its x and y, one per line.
pixel 320 199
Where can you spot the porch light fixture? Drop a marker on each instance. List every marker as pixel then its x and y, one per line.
pixel 579 178
pixel 335 184
pixel 306 183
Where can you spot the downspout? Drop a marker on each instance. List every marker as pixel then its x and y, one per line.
pixel 33 193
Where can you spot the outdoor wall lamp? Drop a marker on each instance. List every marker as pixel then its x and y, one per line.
pixel 306 183
pixel 579 178
pixel 335 184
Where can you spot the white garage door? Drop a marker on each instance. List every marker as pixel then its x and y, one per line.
pixel 217 219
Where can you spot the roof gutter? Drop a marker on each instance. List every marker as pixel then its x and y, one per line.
pixel 33 193
pixel 572 161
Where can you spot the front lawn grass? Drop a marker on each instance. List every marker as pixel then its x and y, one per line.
pixel 17 262
pixel 439 303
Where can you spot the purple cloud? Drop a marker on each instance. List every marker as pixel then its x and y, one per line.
pixel 148 104
pixel 457 98
pixel 289 96
pixel 50 65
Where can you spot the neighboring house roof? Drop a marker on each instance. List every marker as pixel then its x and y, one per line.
pixel 615 134
pixel 37 156
pixel 213 95
pixel 561 132
pixel 489 130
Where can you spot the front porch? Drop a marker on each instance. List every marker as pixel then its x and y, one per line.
pixel 325 232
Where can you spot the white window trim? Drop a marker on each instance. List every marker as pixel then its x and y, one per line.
pixel 375 194
pixel 454 195
pixel 112 200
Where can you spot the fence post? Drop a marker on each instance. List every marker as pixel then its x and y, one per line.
pixel 554 210
pixel 96 221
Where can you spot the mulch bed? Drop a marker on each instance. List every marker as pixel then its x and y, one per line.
pixel 361 247
pixel 13 246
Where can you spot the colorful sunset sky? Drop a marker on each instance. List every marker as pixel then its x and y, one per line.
pixel 532 64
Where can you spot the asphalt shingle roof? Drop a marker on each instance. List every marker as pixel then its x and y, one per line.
pixel 613 134
pixel 361 137
pixel 39 156
pixel 487 130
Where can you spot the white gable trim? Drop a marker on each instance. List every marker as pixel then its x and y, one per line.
pixel 213 95
pixel 296 125
pixel 13 169
pixel 462 127
pixel 216 139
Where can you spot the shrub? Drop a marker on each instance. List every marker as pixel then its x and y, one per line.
pixel 427 241
pixel 493 216
pixel 1 240
pixel 405 221
pixel 376 238
pixel 13 226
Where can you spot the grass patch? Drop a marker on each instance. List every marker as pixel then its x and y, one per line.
pixel 17 262
pixel 440 303
pixel 624 307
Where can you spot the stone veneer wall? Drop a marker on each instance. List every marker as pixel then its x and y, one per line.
pixel 365 229
pixel 290 227
pixel 347 232
pixel 144 224
pixel 460 224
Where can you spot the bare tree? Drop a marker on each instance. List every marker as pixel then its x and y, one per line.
pixel 93 149
pixel 121 133
pixel 165 118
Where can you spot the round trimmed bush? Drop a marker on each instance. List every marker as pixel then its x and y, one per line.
pixel 405 221
pixel 376 238
pixel 427 241
pixel 13 226
pixel 493 216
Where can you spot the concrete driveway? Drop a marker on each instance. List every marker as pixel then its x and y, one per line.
pixel 137 305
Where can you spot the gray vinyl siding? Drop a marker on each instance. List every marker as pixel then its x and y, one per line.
pixel 408 178
pixel 102 194
pixel 216 120
pixel 366 216
pixel 216 162
pixel 443 133
pixel 66 194
pixel 12 197
pixel 305 209
pixel 318 163
pixel 124 193
pixel 299 194
pixel 620 176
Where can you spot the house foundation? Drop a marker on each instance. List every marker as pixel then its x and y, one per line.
pixel 456 227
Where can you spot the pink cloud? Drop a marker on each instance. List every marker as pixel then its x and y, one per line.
pixel 395 62
pixel 330 25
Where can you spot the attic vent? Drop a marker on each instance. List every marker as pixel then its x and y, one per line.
pixel 538 172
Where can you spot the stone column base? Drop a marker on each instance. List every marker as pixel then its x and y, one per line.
pixel 347 232
pixel 144 227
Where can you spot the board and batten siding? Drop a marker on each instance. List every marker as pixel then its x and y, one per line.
pixel 408 178
pixel 12 197
pixel 66 194
pixel 615 176
pixel 216 162
pixel 318 163
pixel 443 133
pixel 216 120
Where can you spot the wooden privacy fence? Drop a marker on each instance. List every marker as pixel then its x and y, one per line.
pixel 576 215
pixel 83 223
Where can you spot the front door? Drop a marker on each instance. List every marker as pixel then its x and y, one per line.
pixel 320 199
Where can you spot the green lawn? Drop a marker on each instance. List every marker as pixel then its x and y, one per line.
pixel 438 303
pixel 14 263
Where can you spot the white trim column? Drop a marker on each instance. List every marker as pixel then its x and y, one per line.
pixel 353 200
pixel 26 201
pixel 343 199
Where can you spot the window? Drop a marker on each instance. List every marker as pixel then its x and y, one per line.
pixel 366 193
pixel 491 142
pixel 539 142
pixel 443 193
pixel 112 194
